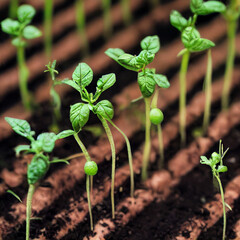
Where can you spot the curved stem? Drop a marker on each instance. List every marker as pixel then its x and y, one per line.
pixel 111 141
pixel 182 100
pixel 48 11
pixel 161 147
pixel 23 78
pixel 147 145
pixel 208 93
pixel 88 158
pixel 231 33
pixel 31 190
pixel 224 207
pixel 129 157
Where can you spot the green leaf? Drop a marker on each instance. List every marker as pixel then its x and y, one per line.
pixel 161 80
pixel 146 83
pixel 200 44
pixel 65 133
pixel 25 13
pixel 18 42
pixel 37 168
pixel 105 109
pixel 10 26
pixel 47 141
pixel 72 84
pixel 83 75
pixel 222 168
pixel 130 62
pixel 145 57
pixel 178 21
pixel 15 195
pixel 31 32
pixel 21 148
pixel 114 53
pixel 151 44
pixel 79 115
pixel 205 8
pixel 204 160
pixel 188 35
pixel 106 81
pixel 20 126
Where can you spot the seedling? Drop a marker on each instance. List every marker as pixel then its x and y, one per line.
pixel 48 12
pixel 126 10
pixel 216 164
pixel 107 21
pixel 192 42
pixel 21 31
pixel 81 26
pixel 79 113
pixel 56 100
pixel 231 15
pixel 39 165
pixel 147 80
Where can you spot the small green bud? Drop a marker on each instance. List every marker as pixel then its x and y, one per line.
pixel 215 157
pixel 156 116
pixel 90 168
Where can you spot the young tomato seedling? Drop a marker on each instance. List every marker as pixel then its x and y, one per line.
pixel 147 80
pixel 192 42
pixel 231 15
pixel 39 165
pixel 79 113
pixel 216 164
pixel 20 30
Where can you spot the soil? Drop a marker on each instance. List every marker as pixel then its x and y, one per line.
pixel 176 202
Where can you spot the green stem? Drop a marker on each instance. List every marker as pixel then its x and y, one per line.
pixel 208 92
pixel 231 33
pixel 129 158
pixel 23 78
pixel 81 25
pixel 106 5
pixel 48 12
pixel 161 148
pixel 13 8
pixel 224 207
pixel 88 158
pixel 147 145
pixel 111 141
pixel 182 100
pixel 127 17
pixel 31 190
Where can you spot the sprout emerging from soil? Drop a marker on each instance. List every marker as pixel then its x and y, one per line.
pixel 39 165
pixel 21 31
pixel 147 81
pixel 216 164
pixel 193 42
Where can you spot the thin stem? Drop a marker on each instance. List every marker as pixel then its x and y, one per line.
pixel 88 158
pixel 127 17
pixel 13 8
pixel 208 92
pixel 81 25
pixel 231 33
pixel 106 5
pixel 23 78
pixel 182 100
pixel 161 148
pixel 48 12
pixel 147 145
pixel 224 207
pixel 111 141
pixel 89 201
pixel 31 190
pixel 129 158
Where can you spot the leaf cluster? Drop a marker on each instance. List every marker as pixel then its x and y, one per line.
pixel 20 28
pixel 190 37
pixel 79 112
pixel 40 147
pixel 147 78
pixel 216 161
